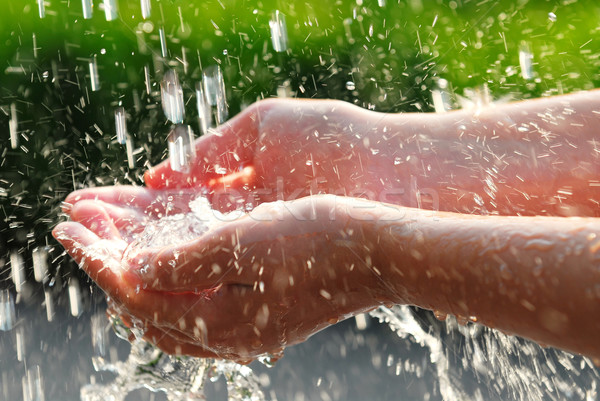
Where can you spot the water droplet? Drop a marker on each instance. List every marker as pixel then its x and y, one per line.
pixel 7 310
pixel 526 61
pixel 94 79
pixel 111 11
pixel 204 109
pixel 17 270
pixel 478 200
pixel 88 9
pixel 181 148
pixel 147 79
pixel 49 305
pixel 146 9
pixel 350 85
pixel 121 125
pixel 75 297
pixel 441 316
pixel 33 385
pixel 99 334
pixel 130 153
pixel 13 124
pixel 214 91
pixel 40 263
pixel 552 16
pixel 163 42
pixel 41 8
pixel 361 321
pixel 279 36
pixel 172 97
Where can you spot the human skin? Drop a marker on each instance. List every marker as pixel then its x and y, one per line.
pixel 287 269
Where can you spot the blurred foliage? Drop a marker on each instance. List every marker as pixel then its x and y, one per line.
pixel 383 55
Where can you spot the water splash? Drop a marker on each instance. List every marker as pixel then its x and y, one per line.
pixel 511 368
pixel 180 378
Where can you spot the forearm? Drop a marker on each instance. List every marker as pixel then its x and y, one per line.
pixel 530 158
pixel 534 277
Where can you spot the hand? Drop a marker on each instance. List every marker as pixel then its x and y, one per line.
pixel 287 149
pixel 249 286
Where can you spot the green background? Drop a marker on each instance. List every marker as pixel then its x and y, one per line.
pixel 386 56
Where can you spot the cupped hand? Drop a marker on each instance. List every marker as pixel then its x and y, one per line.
pixel 253 284
pixel 287 149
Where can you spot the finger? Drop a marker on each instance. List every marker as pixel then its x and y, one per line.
pixel 95 218
pixel 121 195
pixel 225 151
pixel 148 201
pixel 100 258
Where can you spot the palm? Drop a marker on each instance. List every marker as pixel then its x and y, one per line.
pixel 230 292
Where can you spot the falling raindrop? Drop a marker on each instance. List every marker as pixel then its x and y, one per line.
pixel 526 61
pixel 163 42
pixel 279 36
pixel 147 79
pixel 214 90
pixel 99 334
pixel 146 9
pixel 172 97
pixel 121 125
pixel 42 8
pixel 20 342
pixel 204 109
pixel 33 385
pixel 441 97
pixel 49 304
pixel 181 148
pixel 13 125
pixel 129 149
pixel 40 263
pixel 94 79
pixel 88 8
pixel 17 270
pixel 552 16
pixel 7 310
pixel 111 10
pixel 35 48
pixel 75 297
